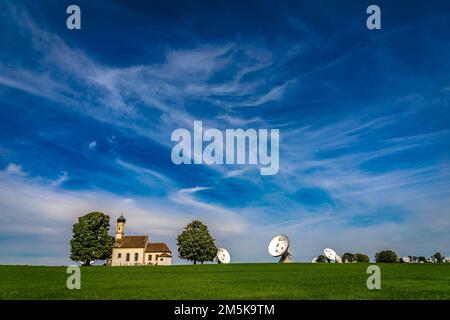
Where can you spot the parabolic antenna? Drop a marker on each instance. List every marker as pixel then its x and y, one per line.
pixel 330 254
pixel 279 247
pixel 406 259
pixel 223 256
pixel 338 259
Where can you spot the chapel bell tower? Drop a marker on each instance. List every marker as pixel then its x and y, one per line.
pixel 120 228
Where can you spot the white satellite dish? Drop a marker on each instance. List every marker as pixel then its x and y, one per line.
pixel 330 254
pixel 223 256
pixel 406 259
pixel 279 247
pixel 314 260
pixel 338 259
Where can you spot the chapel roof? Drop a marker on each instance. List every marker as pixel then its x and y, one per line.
pixel 132 242
pixel 157 247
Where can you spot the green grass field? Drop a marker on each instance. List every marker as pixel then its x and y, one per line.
pixel 234 281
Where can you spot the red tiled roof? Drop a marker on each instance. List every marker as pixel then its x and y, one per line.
pixel 132 242
pixel 157 247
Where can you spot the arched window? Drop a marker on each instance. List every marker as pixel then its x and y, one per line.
pixel 136 256
pixel 128 257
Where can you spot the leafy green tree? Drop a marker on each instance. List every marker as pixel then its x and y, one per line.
pixel 348 257
pixel 438 256
pixel 361 257
pixel 321 258
pixel 386 256
pixel 90 240
pixel 422 259
pixel 195 243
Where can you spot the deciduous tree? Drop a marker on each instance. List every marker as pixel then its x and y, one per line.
pixel 387 256
pixel 90 240
pixel 195 243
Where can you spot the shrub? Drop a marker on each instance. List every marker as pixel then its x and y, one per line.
pixel 322 258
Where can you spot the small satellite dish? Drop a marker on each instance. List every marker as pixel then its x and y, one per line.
pixel 406 259
pixel 338 259
pixel 223 256
pixel 279 247
pixel 314 260
pixel 330 254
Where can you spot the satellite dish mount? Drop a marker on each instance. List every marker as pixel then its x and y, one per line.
pixel 286 257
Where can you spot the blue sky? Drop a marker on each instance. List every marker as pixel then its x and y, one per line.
pixel 86 118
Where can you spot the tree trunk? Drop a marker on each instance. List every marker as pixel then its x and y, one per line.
pixel 195 261
pixel 202 262
pixel 87 263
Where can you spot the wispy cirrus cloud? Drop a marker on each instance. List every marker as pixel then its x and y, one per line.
pixel 127 96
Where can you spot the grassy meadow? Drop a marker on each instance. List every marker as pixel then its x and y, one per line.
pixel 233 281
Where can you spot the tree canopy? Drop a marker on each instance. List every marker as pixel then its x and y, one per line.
pixel 90 240
pixel 195 243
pixel 438 256
pixel 361 257
pixel 348 257
pixel 387 256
